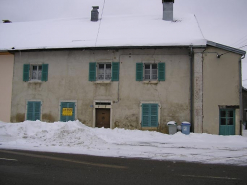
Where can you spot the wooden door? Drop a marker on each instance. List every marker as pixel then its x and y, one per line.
pixel 103 118
pixel 227 122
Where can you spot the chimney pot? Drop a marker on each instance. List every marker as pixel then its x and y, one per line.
pixel 95 14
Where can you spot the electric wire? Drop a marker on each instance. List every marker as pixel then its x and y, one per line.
pixel 100 23
pixel 199 26
pixel 237 41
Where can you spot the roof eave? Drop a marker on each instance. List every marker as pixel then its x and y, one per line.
pixel 227 48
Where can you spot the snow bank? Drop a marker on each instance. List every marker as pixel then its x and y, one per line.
pixel 75 137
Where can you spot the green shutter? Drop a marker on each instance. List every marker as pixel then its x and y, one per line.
pixel 161 71
pixel 154 115
pixel 33 110
pixel 67 105
pixel 30 110
pixel 37 106
pixel 150 115
pixel 63 105
pixel 139 71
pixel 145 115
pixel 92 71
pixel 26 68
pixel 44 72
pixel 115 71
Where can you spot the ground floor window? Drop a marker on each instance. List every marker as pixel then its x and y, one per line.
pixel 227 122
pixel 149 115
pixel 33 110
pixel 67 111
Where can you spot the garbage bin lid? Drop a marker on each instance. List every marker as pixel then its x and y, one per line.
pixel 171 123
pixel 185 123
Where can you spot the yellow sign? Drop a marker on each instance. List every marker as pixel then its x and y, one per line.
pixel 67 112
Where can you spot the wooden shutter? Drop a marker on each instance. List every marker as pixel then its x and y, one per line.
pixel 145 115
pixel 67 105
pixel 154 115
pixel 71 105
pixel 161 71
pixel 37 107
pixel 92 71
pixel 115 71
pixel 33 110
pixel 30 108
pixel 139 71
pixel 44 72
pixel 26 68
pixel 62 105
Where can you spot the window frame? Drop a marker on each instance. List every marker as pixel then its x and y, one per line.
pixel 151 72
pixel 97 71
pixel 38 71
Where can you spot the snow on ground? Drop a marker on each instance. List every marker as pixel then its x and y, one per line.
pixel 75 137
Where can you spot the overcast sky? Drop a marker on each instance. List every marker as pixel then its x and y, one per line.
pixel 222 21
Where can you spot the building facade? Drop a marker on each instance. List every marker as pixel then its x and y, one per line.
pixel 138 88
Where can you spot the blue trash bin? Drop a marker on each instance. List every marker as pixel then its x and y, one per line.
pixel 185 127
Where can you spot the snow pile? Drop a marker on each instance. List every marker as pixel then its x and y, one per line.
pixel 74 137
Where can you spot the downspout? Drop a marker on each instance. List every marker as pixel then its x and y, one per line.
pixel 240 95
pixel 191 87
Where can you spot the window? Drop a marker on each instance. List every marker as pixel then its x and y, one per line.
pixel 151 72
pixel 35 72
pixel 104 71
pixel 33 110
pixel 150 115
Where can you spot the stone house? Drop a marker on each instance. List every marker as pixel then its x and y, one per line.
pixel 129 76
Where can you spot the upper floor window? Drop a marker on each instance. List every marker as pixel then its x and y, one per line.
pixel 104 71
pixel 35 72
pixel 151 72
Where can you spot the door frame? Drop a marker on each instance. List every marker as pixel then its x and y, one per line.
pixel 102 107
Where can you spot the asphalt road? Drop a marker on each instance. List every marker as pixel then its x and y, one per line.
pixel 27 167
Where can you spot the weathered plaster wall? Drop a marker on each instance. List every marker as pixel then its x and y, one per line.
pixel 6 75
pixel 68 80
pixel 220 87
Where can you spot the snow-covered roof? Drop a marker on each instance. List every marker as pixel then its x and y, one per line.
pixel 110 31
